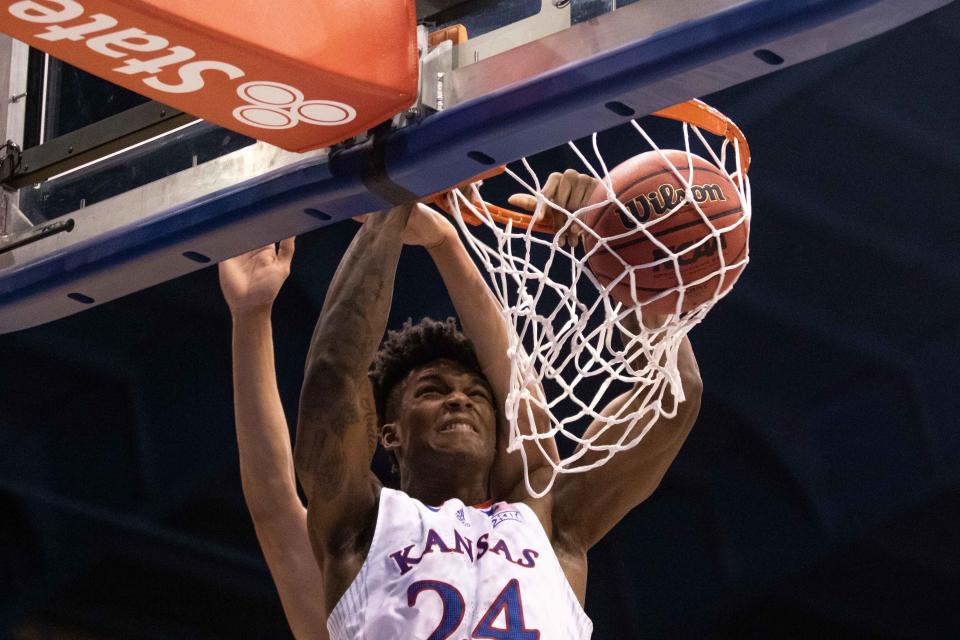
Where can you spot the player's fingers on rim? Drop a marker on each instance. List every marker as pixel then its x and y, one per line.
pixel 523 200
pixel 590 181
pixel 286 249
pixel 589 184
pixel 565 188
pixel 579 195
pixel 572 235
pixel 549 189
pixel 557 218
pixel 425 210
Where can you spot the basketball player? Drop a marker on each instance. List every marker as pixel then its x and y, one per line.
pixel 250 284
pixel 439 559
pixel 423 562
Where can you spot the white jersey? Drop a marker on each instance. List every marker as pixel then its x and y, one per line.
pixel 458 572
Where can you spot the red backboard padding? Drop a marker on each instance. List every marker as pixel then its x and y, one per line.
pixel 299 74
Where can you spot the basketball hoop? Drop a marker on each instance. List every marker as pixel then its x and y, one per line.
pixel 695 113
pixel 567 360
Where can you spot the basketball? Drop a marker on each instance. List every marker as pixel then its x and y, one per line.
pixel 653 193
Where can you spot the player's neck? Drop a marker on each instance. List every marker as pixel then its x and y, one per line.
pixel 436 488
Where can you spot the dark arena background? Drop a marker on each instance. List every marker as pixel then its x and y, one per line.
pixel 817 497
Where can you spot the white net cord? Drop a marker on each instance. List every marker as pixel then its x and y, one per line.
pixel 586 369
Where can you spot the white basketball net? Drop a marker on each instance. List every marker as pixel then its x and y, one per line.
pixel 568 359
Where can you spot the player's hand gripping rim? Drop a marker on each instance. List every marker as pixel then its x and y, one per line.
pixel 563 195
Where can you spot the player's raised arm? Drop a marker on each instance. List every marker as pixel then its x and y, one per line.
pixel 480 318
pixel 250 283
pixel 587 505
pixel 337 426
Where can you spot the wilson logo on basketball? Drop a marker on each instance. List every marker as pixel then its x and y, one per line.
pixel 268 105
pixel 667 197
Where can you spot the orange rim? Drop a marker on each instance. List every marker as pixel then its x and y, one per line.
pixel 703 116
pixel 694 112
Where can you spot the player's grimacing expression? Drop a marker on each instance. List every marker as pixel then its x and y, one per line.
pixel 446 408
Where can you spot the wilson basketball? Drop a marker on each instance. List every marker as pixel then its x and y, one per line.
pixel 650 189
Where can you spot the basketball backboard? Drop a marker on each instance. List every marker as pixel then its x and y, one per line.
pixel 116 200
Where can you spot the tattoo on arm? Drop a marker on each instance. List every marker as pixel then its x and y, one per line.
pixel 354 314
pixel 368 411
pixel 322 455
pixel 337 428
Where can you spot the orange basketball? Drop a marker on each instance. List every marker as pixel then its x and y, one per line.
pixel 648 187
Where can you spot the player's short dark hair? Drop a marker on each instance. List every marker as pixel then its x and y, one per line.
pixel 415 345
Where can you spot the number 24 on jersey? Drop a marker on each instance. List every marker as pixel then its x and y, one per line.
pixel 508 604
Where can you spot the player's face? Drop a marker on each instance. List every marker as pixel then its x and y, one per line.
pixel 448 410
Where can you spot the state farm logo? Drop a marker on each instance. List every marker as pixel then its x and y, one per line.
pixel 272 105
pixel 268 105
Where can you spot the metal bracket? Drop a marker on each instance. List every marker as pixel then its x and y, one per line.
pixel 93 142
pixel 437 65
pixel 435 68
pixel 415 112
pixel 12 219
pixel 9 161
pixel 33 234
pixel 553 17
